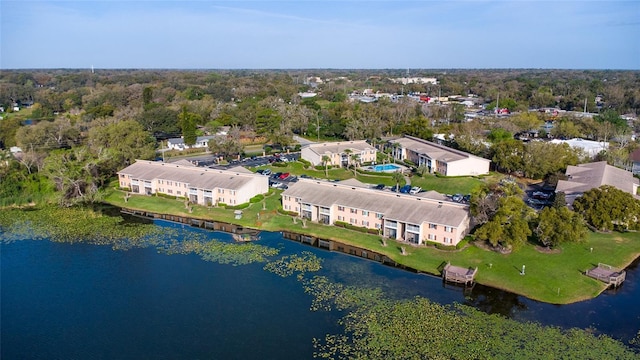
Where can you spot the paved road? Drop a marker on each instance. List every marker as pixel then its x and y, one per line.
pixel 302 141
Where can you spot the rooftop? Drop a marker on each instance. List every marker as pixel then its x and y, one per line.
pixel 340 147
pixel 433 150
pixel 585 177
pixel 197 177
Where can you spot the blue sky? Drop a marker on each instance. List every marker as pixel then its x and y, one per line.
pixel 320 34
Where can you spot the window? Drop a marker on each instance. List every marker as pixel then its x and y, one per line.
pixel 433 226
pixel 431 237
pixel 354 211
pixel 365 223
pixel 179 193
pixel 353 221
pixel 378 216
pixel 340 208
pixel 339 218
pixel 170 191
pixel 378 226
pixel 365 213
pixel 448 229
pixel 447 240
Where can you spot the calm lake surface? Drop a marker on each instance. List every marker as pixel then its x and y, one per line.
pixel 80 301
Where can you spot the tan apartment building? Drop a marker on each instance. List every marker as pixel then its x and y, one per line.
pixel 585 177
pixel 411 218
pixel 339 153
pixel 200 185
pixel 438 158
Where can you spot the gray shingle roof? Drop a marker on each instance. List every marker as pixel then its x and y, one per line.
pixel 197 177
pixel 585 177
pixel 406 208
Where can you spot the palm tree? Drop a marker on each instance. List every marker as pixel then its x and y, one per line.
pixel 326 159
pixel 355 158
pixel 348 152
pixel 398 178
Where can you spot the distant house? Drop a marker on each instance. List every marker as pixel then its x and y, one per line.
pixel 635 158
pixel 338 152
pixel 178 143
pixel 590 147
pixel 200 185
pixel 585 177
pixel 417 219
pixel 438 158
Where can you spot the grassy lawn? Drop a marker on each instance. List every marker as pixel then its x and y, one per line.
pixel 447 185
pixel 549 277
pixel 297 168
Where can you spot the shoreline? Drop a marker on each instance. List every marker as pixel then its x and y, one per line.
pixel 371 253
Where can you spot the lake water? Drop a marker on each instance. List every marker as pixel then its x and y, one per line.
pixel 64 301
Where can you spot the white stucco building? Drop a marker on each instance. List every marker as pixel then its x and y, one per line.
pixel 438 158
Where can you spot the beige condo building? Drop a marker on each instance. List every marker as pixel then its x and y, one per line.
pixel 415 219
pixel 200 185
pixel 339 153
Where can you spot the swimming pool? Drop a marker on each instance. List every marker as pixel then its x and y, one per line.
pixel 386 168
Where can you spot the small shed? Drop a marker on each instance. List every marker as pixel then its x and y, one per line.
pixel 238 214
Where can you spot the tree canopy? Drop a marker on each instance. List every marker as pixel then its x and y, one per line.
pixel 609 208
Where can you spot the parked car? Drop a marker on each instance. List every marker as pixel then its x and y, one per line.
pixel 457 197
pixel 305 176
pixel 405 189
pixel 414 190
pixel 293 179
pixel 261 171
pixel 276 184
pixel 266 172
pixel 276 175
pixel 541 195
pixel 284 176
pixel 380 187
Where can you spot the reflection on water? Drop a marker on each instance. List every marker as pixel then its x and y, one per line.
pixel 88 301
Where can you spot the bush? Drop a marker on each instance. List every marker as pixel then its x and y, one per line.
pixel 268 149
pixel 167 196
pixel 285 212
pixel 440 246
pixel 256 199
pixel 237 207
pixel 279 164
pixel 305 162
pixel 362 229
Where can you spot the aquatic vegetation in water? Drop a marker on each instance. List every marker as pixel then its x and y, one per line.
pixel 78 225
pixel 377 327
pixel 222 252
pixel 73 225
pixel 289 264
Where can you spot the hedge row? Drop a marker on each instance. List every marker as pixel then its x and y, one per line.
pixel 363 229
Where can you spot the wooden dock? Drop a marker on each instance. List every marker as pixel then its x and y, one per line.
pixel 245 237
pixel 607 274
pixel 458 274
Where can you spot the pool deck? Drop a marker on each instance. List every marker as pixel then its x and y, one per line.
pixel 395 169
